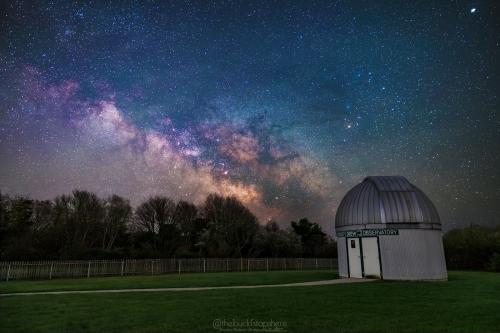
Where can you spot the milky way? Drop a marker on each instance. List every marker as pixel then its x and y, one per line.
pixel 285 106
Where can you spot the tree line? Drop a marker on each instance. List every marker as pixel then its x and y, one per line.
pixel 84 226
pixel 473 247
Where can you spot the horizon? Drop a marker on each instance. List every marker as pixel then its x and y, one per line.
pixel 284 108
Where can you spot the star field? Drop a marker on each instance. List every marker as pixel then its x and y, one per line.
pixel 284 105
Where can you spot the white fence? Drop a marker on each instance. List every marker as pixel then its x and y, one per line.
pixel 37 270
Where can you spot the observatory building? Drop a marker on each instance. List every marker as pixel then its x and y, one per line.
pixel 388 228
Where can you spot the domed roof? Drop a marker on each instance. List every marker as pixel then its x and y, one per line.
pixel 385 199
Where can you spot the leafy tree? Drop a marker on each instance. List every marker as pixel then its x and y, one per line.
pixel 279 243
pixel 42 214
pixel 494 264
pixel 17 228
pixel 272 226
pixel 311 235
pixel 471 247
pixel 231 226
pixel 20 215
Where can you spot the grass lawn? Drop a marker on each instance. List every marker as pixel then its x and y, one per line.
pixel 169 281
pixel 469 302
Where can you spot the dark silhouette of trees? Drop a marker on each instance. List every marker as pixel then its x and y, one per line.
pixel 473 247
pixel 88 215
pixel 118 213
pixel 83 226
pixel 279 243
pixel 62 226
pixel 78 223
pixel 156 216
pixel 17 228
pixel 312 237
pixel 191 227
pixel 231 226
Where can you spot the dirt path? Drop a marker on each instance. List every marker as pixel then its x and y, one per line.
pixel 299 284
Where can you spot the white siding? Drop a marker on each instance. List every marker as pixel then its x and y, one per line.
pixel 342 256
pixel 416 254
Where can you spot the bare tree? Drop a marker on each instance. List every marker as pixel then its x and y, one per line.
pixel 186 218
pixel 156 215
pixel 118 213
pixel 77 222
pixel 88 217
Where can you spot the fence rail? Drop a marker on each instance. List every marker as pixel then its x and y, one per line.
pixel 38 270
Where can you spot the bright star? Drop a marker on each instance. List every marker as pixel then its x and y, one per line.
pixel 473 10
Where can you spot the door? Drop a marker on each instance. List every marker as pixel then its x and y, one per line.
pixel 371 260
pixel 354 255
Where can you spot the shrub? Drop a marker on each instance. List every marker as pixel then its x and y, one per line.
pixel 494 264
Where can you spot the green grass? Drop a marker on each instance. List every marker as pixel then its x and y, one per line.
pixel 468 302
pixel 169 281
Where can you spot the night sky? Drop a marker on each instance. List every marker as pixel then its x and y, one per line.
pixel 285 105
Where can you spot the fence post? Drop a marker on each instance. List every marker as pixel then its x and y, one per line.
pixel 88 270
pixel 241 264
pixel 284 262
pixel 204 265
pixel 267 264
pixel 152 268
pixel 8 273
pixel 179 266
pixel 248 264
pixel 316 264
pixel 123 266
pixel 50 273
